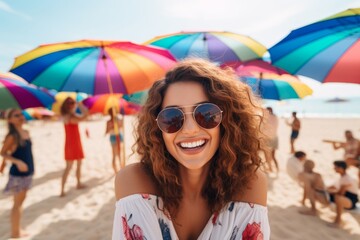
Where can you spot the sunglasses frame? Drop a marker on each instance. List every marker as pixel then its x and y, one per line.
pixel 186 113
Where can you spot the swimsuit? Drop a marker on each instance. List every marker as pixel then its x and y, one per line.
pixel 73 147
pixel 294 134
pixel 113 138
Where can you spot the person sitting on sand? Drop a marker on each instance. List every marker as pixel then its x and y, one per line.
pixel 343 193
pixel 314 188
pixel 295 165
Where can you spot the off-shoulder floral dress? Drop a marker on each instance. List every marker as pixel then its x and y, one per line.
pixel 142 216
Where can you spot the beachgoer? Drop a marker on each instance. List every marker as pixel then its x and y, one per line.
pixel 198 138
pixel 73 146
pixel 351 150
pixel 115 146
pixel 295 165
pixel 17 150
pixel 295 129
pixel 343 193
pixel 314 188
pixel 272 142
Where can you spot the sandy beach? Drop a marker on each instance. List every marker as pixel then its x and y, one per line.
pixel 88 213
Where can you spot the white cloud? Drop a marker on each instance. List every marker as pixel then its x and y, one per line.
pixel 7 8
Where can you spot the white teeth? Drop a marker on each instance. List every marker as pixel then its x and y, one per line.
pixel 192 144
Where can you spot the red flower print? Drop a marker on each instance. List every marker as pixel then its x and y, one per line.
pixel 214 218
pixel 132 233
pixel 253 232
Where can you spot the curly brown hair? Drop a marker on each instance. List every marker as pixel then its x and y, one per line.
pixel 233 165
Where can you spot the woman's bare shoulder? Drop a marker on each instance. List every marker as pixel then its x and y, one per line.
pixel 134 179
pixel 257 190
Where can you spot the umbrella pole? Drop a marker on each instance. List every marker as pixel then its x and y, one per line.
pixel 116 127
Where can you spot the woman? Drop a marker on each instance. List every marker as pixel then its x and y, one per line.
pixel 198 178
pixel 17 150
pixel 73 146
pixel 115 146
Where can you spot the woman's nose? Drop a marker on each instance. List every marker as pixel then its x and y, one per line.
pixel 190 125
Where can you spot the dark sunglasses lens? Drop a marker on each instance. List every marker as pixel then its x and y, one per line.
pixel 170 120
pixel 208 115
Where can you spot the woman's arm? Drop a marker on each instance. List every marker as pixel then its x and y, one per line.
pixel 76 118
pixel 6 151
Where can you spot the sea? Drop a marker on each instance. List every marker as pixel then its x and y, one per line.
pixel 317 107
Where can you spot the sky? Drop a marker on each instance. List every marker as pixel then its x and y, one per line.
pixel 25 24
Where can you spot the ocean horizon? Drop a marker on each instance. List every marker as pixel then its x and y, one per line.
pixel 317 107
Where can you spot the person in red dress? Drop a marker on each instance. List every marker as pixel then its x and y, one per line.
pixel 73 147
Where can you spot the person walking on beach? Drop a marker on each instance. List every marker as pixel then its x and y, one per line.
pixel 116 148
pixel 295 129
pixel 272 141
pixel 17 150
pixel 73 146
pixel 198 161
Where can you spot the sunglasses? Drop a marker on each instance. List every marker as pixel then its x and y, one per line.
pixel 206 115
pixel 17 115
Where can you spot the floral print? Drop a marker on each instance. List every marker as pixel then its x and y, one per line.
pixel 142 216
pixel 134 233
pixel 252 232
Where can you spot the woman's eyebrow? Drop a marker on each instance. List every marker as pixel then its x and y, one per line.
pixel 183 106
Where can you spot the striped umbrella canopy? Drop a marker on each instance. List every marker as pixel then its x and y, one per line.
pixel 11 76
pixel 137 97
pixel 37 113
pixel 219 47
pixel 259 68
pixel 16 94
pixel 102 103
pixel 278 89
pixel 94 67
pixel 327 50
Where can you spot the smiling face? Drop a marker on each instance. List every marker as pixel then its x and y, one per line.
pixel 16 118
pixel 192 146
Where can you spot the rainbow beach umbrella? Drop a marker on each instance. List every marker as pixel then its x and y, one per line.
pixel 94 67
pixel 278 89
pixel 16 94
pixel 102 103
pixel 327 50
pixel 219 47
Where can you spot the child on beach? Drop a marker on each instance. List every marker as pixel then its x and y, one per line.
pixel 17 150
pixel 198 138
pixel 73 146
pixel 115 146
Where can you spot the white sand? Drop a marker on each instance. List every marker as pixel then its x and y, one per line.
pixel 88 213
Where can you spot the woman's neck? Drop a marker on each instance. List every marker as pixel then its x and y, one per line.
pixel 193 181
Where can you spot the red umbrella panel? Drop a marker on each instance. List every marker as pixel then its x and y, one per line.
pixel 104 102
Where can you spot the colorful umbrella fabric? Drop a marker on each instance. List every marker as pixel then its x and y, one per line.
pixel 137 97
pixel 61 96
pixel 219 47
pixel 255 68
pixel 11 76
pixel 37 113
pixel 277 89
pixel 102 103
pixel 94 67
pixel 327 50
pixel 16 94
